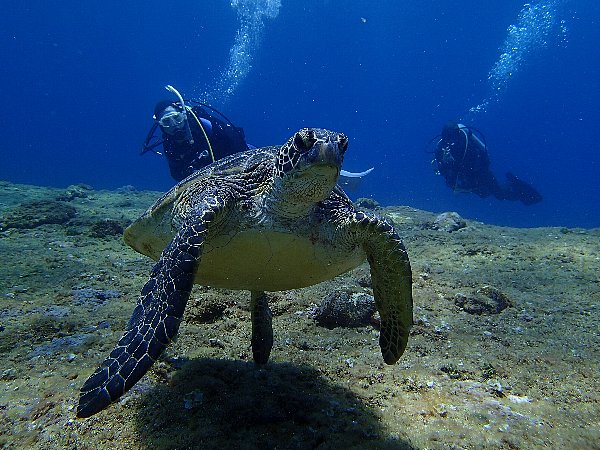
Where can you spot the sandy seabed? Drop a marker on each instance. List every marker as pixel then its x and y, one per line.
pixel 504 352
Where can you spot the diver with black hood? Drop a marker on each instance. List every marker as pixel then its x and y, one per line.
pixel 461 157
pixel 192 137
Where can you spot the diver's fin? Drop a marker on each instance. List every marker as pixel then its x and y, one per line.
pixel 522 191
pixel 345 173
pixel 350 181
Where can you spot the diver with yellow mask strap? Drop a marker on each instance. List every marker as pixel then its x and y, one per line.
pixel 192 136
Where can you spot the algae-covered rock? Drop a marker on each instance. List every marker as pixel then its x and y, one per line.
pixel 90 296
pixel 345 309
pixel 485 300
pixel 36 213
pixel 448 222
pixel 209 310
pixel 368 203
pixel 72 192
pixel 105 228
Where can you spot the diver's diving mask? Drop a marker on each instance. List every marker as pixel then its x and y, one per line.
pixel 172 120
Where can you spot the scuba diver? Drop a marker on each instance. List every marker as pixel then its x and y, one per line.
pixel 461 157
pixel 194 137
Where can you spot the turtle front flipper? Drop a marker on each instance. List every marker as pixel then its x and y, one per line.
pixel 391 278
pixel 155 320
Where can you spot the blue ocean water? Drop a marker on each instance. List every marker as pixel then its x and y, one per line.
pixel 80 80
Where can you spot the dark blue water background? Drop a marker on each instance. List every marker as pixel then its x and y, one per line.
pixel 80 80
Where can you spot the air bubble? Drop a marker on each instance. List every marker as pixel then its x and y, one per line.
pixel 251 15
pixel 538 25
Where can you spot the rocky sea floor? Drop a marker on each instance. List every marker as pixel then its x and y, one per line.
pixel 504 352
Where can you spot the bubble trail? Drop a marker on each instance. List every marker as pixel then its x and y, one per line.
pixel 538 26
pixel 251 15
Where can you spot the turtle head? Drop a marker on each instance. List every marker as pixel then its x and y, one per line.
pixel 309 164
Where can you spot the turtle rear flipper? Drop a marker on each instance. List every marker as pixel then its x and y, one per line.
pixel 154 322
pixel 391 278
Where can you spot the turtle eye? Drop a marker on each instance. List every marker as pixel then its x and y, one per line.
pixel 305 139
pixel 342 142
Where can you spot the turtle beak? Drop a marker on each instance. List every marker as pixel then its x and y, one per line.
pixel 327 154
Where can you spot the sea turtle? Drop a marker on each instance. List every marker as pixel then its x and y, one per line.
pixel 267 219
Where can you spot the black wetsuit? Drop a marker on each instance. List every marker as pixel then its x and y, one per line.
pixel 185 158
pixel 463 161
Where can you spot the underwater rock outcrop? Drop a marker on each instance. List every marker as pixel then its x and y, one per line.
pixel 367 203
pixel 344 309
pixel 75 191
pixel 448 222
pixel 36 213
pixel 485 300
pixel 105 228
